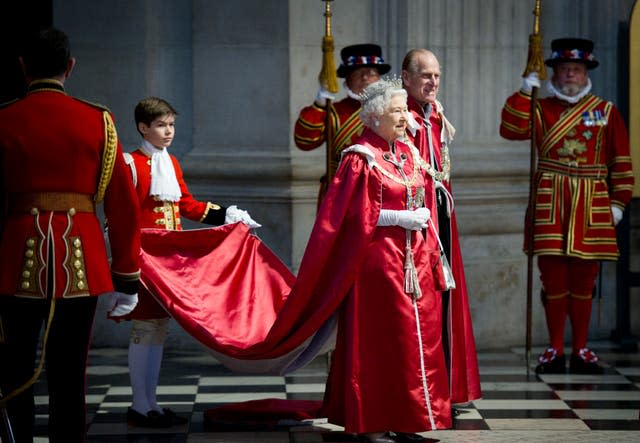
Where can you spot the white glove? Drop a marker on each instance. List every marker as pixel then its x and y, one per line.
pixel 322 97
pixel 529 82
pixel 121 304
pixel 233 214
pixel 413 220
pixel 617 214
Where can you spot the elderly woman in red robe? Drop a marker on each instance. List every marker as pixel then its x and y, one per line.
pixel 388 371
pixel 372 261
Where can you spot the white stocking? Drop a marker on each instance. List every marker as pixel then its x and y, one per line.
pixel 153 375
pixel 138 369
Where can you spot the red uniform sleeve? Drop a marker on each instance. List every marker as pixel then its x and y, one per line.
pixel 204 212
pixel 123 213
pixel 618 160
pixel 309 131
pixel 515 122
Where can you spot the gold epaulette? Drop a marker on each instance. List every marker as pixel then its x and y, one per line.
pixel 92 104
pixel 108 155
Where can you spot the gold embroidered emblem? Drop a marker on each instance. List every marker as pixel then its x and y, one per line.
pixel 571 148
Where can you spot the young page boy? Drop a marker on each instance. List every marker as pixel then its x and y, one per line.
pixel 164 199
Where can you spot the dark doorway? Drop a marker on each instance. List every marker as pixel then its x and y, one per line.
pixel 17 19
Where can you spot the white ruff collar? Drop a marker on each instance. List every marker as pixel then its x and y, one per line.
pixel 350 93
pixel 164 185
pixel 573 99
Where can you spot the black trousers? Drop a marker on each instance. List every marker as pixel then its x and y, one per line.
pixel 67 347
pixel 444 225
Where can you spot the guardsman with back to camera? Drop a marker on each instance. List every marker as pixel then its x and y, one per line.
pixel 59 158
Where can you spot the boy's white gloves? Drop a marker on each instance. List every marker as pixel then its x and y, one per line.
pixel 617 214
pixel 529 82
pixel 233 214
pixel 413 220
pixel 322 97
pixel 121 304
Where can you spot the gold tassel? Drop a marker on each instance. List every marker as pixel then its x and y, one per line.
pixel 411 283
pixel 408 275
pixel 535 59
pixel 328 77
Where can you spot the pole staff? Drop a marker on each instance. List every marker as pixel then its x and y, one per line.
pixel 535 63
pixel 6 432
pixel 329 81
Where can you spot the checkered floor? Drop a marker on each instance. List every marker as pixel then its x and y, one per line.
pixel 514 408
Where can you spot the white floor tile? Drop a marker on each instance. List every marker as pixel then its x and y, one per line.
pixel 520 404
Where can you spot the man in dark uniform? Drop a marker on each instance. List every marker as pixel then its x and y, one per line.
pixel 59 158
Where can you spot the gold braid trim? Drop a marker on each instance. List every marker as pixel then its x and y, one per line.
pixel 108 155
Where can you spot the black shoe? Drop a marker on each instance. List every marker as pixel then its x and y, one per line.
pixel 585 362
pixel 376 438
pixel 551 363
pixel 173 418
pixel 153 419
pixel 409 438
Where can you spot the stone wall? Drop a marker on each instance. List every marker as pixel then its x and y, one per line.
pixel 238 72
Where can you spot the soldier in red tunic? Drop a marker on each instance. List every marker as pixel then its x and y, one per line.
pixel 163 198
pixel 361 65
pixel 583 182
pixel 59 158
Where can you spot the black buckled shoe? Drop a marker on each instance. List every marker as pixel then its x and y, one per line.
pixel 585 362
pixel 173 418
pixel 551 363
pixel 153 419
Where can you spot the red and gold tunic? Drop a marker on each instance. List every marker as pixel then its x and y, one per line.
pixel 584 167
pixel 166 215
pixel 59 156
pixel 310 130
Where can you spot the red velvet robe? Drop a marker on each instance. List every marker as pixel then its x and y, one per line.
pixel 236 297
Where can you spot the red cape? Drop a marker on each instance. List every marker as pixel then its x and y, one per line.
pixel 228 290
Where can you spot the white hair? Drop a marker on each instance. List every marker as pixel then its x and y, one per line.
pixel 376 99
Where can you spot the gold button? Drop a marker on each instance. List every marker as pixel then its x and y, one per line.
pixel 77 253
pixel 25 285
pixel 29 263
pixel 77 264
pixel 26 274
pixel 77 242
pixel 34 211
pixel 29 253
pixel 31 242
pixel 72 211
pixel 80 284
pixel 80 273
